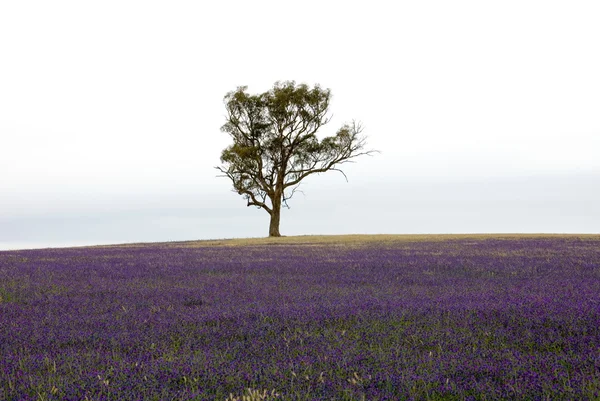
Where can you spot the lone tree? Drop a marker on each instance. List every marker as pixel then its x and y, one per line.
pixel 275 145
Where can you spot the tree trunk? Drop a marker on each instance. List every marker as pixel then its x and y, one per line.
pixel 275 216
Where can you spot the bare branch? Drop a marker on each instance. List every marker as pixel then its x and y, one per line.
pixel 255 202
pixel 294 190
pixel 344 174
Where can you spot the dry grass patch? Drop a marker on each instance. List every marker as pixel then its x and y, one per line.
pixel 367 239
pixel 354 240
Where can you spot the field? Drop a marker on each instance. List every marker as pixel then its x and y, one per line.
pixel 304 318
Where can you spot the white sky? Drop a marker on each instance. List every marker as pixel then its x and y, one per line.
pixel 111 110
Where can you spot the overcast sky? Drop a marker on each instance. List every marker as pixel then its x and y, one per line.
pixel 487 115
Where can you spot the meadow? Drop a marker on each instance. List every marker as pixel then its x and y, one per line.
pixel 304 318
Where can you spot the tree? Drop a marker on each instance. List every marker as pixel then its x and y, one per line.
pixel 275 145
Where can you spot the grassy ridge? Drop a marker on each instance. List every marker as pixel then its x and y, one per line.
pixel 357 239
pixel 316 317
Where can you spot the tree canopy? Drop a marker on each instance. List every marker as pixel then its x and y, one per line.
pixel 275 145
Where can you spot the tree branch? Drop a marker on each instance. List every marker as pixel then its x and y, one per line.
pixel 255 202
pixel 240 189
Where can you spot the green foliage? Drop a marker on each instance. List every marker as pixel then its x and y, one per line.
pixel 275 144
pixel 6 296
pixel 254 395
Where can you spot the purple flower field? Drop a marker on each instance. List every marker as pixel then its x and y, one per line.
pixel 481 317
